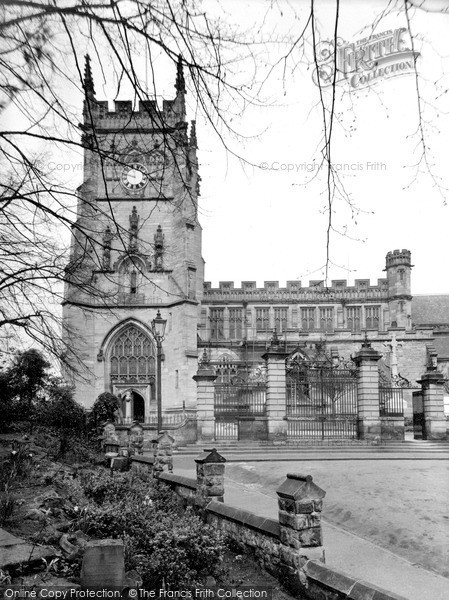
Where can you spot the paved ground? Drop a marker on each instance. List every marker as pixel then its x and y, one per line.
pixel 386 521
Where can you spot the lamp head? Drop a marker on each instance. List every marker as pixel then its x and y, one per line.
pixel 158 326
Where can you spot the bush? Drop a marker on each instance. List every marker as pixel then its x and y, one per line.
pixel 162 543
pixel 64 417
pixel 105 408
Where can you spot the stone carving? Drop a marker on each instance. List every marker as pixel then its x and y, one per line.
pixel 158 248
pixel 133 229
pixel 393 351
pixel 107 241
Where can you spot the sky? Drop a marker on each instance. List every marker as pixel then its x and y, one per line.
pixel 269 223
pixel 263 202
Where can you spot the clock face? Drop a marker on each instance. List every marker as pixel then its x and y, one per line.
pixel 134 177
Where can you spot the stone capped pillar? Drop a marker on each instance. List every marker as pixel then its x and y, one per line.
pixel 366 359
pixel 210 469
pixel 163 453
pixel 276 391
pixel 205 396
pixel 300 504
pixel 434 427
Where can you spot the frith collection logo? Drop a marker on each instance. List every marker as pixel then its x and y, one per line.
pixel 365 62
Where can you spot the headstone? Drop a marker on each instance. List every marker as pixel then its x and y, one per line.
pixel 103 564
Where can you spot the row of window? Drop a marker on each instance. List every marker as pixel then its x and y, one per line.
pixel 310 319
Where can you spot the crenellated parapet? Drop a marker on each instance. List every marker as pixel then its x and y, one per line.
pixel 398 257
pixel 362 290
pixel 125 114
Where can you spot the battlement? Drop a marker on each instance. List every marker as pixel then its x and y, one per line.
pixel 147 114
pixel 125 108
pixel 398 257
pixel 316 291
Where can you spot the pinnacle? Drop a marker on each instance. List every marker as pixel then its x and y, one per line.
pixel 180 84
pixel 88 82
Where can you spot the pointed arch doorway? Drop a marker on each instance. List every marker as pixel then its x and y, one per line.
pixel 131 362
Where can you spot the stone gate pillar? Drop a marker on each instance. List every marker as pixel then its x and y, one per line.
pixel 434 427
pixel 276 391
pixel 300 504
pixel 210 469
pixel 205 379
pixel 368 417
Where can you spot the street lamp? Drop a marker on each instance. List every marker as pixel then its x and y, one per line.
pixel 158 327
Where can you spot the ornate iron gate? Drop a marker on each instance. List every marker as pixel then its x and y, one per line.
pixel 321 398
pixel 240 401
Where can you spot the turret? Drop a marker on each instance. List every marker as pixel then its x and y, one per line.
pixel 398 268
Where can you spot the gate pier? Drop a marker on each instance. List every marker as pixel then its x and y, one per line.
pixel 368 417
pixel 276 386
pixel 205 379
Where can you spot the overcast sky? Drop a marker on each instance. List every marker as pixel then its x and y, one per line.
pixel 270 223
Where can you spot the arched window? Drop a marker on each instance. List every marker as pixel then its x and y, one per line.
pixel 131 275
pixel 132 356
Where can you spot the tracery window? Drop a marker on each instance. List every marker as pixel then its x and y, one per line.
pixel 372 317
pixel 354 318
pixel 280 319
pixel 132 356
pixel 308 319
pixel 262 319
pixel 216 323
pixel 327 319
pixel 235 323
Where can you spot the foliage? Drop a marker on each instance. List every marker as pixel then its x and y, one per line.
pixel 17 467
pixel 7 505
pixel 65 417
pixel 61 411
pixel 161 542
pixel 21 384
pixel 28 374
pixel 105 407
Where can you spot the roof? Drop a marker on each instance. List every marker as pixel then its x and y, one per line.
pixel 430 310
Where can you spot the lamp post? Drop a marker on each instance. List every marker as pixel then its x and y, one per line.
pixel 158 327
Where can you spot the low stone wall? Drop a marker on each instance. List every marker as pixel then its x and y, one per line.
pixel 184 487
pixel 253 534
pixel 301 570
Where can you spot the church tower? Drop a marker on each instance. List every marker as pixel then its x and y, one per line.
pixel 136 250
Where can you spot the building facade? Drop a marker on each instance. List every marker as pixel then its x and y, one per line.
pixel 136 252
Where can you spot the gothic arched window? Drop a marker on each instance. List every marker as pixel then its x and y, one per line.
pixel 131 274
pixel 132 356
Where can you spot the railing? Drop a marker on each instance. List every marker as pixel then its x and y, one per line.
pixel 391 402
pixel 226 430
pixel 245 400
pixel 168 420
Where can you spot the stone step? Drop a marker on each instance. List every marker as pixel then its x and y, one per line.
pixel 341 447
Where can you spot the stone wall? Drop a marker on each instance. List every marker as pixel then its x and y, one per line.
pixel 300 569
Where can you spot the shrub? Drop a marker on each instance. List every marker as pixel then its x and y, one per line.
pixel 163 544
pixel 105 408
pixel 179 552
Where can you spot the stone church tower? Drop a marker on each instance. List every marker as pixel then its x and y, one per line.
pixel 136 250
